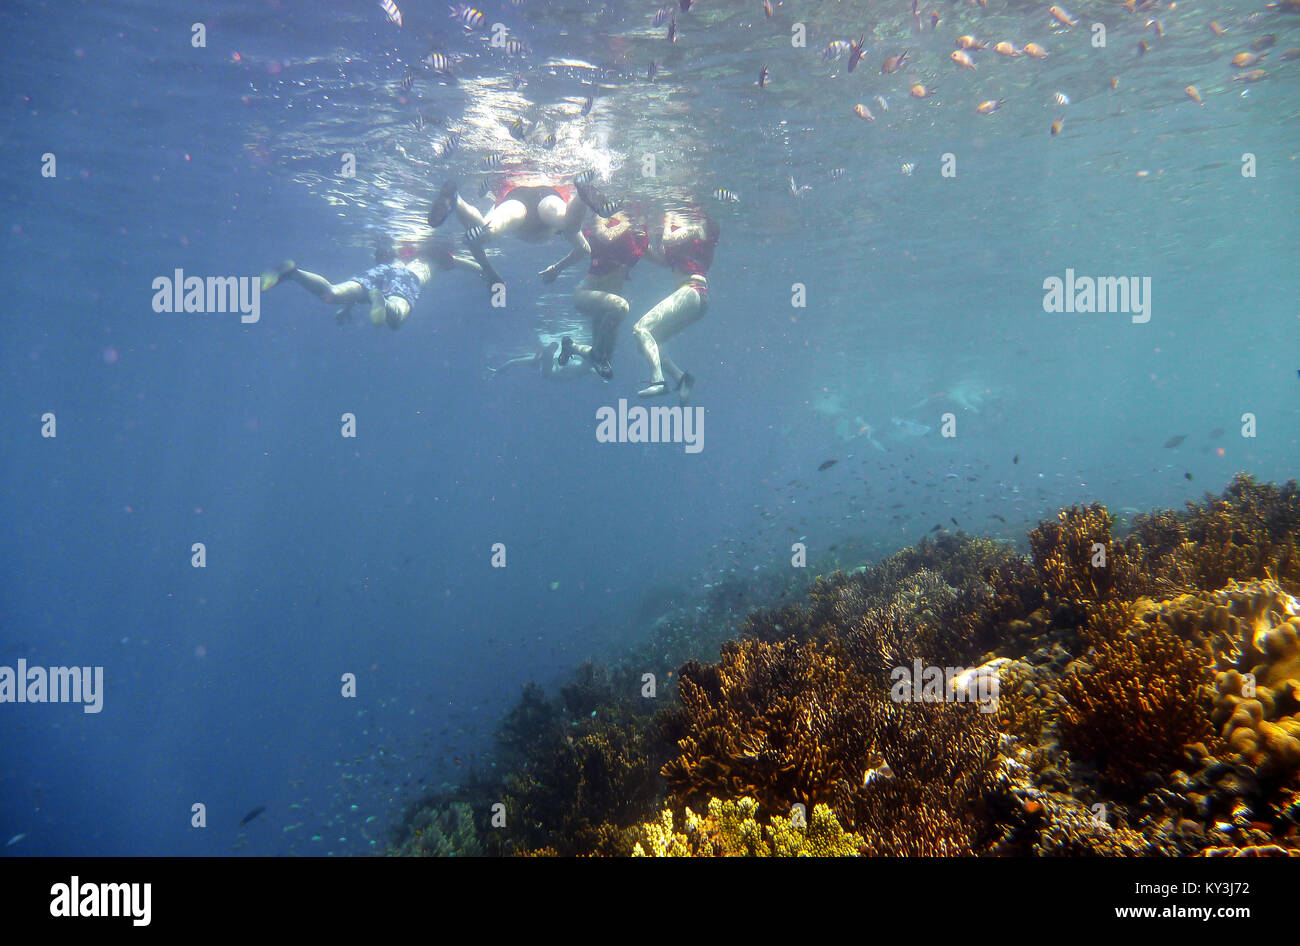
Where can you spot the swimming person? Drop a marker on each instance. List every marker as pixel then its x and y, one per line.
pixel 616 246
pixel 543 361
pixel 391 286
pixel 533 211
pixel 685 244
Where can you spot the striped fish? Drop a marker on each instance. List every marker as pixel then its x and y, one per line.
pixel 661 16
pixel 723 194
pixel 468 17
pixel 407 81
pixel 390 8
pixel 438 63
pixel 492 161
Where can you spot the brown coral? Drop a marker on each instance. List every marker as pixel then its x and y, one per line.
pixel 1137 706
pixel 783 723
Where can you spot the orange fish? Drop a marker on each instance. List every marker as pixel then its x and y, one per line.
pixel 1033 49
pixel 1114 83
pixel 921 92
pixel 989 107
pixel 1130 5
pixel 1267 41
pixel 1060 16
pixel 1142 48
pixel 1246 60
pixel 863 112
pixel 894 63
pixel 1006 49
pixel 970 42
pixel 1057 126
pixel 1253 76
pixel 1216 29
pixel 1158 26
pixel 1194 95
pixel 961 58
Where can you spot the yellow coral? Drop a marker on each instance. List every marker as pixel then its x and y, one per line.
pixel 731 829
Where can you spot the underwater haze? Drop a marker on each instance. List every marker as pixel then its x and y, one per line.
pixel 281 539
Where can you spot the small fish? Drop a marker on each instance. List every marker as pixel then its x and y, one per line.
pixel 251 815
pixel 798 190
pixel 767 8
pixel 855 52
pixel 1061 16
pixel 954 521
pixel 989 107
pixel 894 63
pixel 518 130
pixel 1216 433
pixel 1061 98
pixel 661 16
pixel 836 173
pixel 1157 26
pixel 920 91
pixel 418 122
pixel 1114 83
pixel 492 161
pixel 449 144
pixel 762 77
pixel 14 840
pixel 907 169
pixel 587 104
pixel 884 105
pixel 1006 49
pixel 1267 41
pixel 970 42
pixel 390 8
pixel 934 20
pixel 672 30
pixel 650 72
pixel 1246 60
pixel 1216 29
pixel 1187 476
pixel 937 528
pixel 1292 53
pixel 863 112
pixel 549 141
pixel 826 465
pixel 1253 76
pixel 1175 441
pixel 1192 93
pixel 1057 126
pixel 723 194
pixel 836 48
pixel 514 48
pixel 1142 48
pixel 438 63
pixel 1033 49
pixel 585 177
pixel 994 515
pixel 467 16
pixel 407 81
pixel 962 58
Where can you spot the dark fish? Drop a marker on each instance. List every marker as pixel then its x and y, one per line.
pixel 586 106
pixel 1187 476
pixel 650 73
pixel 252 814
pixel 1216 433
pixel 997 517
pixel 937 528
pixel 407 81
pixel 1175 441
pixel 855 52
pixel 762 77
pixel 955 522
pixel 518 129
pixel 1016 458
pixel 672 30
pixel 827 465
pixel 661 16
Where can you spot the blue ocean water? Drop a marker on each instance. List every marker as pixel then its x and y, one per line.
pixel 371 555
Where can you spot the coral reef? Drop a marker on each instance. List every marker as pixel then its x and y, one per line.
pixel 1148 703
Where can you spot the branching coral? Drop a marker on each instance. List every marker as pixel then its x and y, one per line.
pixel 1078 560
pixel 1138 705
pixel 783 723
pixel 731 829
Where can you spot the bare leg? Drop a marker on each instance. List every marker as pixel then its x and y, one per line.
pixel 323 289
pixel 668 318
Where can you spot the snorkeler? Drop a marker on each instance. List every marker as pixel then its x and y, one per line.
pixel 686 246
pixel 616 246
pixel 532 211
pixel 543 361
pixel 391 286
